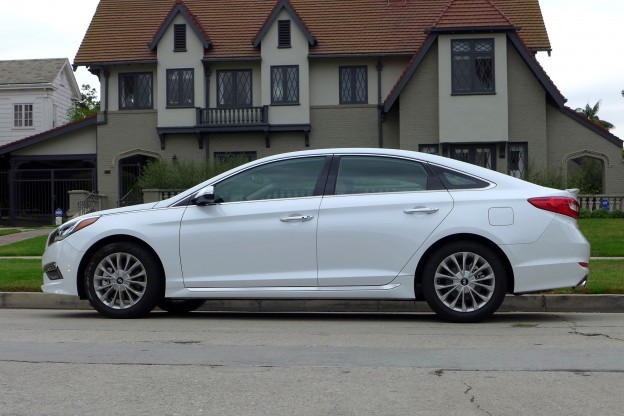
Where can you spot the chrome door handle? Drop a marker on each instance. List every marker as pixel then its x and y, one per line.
pixel 300 218
pixel 424 210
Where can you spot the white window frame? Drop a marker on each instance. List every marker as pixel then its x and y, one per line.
pixel 23 116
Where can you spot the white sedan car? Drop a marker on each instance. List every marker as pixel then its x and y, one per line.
pixel 327 224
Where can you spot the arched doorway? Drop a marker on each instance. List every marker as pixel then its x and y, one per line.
pixel 130 170
pixel 586 173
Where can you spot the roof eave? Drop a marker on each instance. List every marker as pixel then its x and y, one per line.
pixel 472 29
pixel 47 135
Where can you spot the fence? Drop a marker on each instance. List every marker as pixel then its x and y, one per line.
pixel 606 202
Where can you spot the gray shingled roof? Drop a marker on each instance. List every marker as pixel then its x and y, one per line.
pixel 31 71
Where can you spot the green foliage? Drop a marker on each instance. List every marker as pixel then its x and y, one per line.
pixel 550 178
pixel 185 173
pixel 588 177
pixel 87 106
pixel 592 114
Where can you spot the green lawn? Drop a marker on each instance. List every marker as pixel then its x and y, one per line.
pixel 20 275
pixel 31 247
pixel 8 231
pixel 606 236
pixel 25 275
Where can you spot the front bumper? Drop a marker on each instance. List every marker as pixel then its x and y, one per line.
pixel 60 263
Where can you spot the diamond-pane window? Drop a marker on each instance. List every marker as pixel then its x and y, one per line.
pixel 475 154
pixel 517 159
pixel 353 84
pixel 432 149
pixel 234 88
pixel 135 91
pixel 285 84
pixel 180 88
pixel 472 66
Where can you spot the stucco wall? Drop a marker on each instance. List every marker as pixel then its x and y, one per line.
pixel 168 59
pixel 80 142
pixel 527 110
pixel 418 105
pixel 476 117
pixel 343 126
pixel 296 55
pixel 569 139
pixel 127 133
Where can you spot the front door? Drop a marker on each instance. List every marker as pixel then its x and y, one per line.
pixel 261 232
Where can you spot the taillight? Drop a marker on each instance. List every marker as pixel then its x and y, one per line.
pixel 559 204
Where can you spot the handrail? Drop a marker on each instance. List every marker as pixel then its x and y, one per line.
pixel 90 204
pixel 232 116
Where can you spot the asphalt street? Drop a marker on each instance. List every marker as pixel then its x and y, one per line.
pixel 56 362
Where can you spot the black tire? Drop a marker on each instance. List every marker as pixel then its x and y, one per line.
pixel 180 306
pixel 464 281
pixel 123 280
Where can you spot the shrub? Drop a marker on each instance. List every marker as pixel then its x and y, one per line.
pixel 600 213
pixel 185 173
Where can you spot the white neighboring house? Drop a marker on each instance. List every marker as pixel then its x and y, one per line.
pixel 35 95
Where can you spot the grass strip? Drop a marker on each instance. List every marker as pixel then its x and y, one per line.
pixel 8 231
pixel 606 236
pixel 32 247
pixel 20 275
pixel 25 275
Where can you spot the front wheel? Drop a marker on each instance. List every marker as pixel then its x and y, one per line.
pixel 464 282
pixel 123 280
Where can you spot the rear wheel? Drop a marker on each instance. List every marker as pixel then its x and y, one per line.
pixel 464 281
pixel 123 280
pixel 180 306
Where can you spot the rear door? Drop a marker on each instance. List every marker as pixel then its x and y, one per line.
pixel 377 212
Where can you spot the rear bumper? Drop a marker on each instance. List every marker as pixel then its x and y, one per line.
pixel 554 261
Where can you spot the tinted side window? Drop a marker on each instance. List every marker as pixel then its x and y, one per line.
pixel 374 174
pixel 293 178
pixel 455 180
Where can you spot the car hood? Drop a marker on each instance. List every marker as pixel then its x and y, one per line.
pixel 130 208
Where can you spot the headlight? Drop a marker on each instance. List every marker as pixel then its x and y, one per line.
pixel 72 227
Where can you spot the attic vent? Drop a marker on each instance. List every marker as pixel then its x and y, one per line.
pixel 179 38
pixel 283 34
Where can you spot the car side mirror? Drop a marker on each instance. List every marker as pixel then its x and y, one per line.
pixel 205 196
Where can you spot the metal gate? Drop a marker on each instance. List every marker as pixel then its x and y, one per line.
pixel 37 193
pixel 130 170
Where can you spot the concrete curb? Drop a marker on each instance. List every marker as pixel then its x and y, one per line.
pixel 525 303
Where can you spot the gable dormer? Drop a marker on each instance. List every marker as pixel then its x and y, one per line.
pixel 180 44
pixel 284 41
pixel 182 19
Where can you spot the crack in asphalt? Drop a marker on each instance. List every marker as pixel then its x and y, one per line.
pixel 473 400
pixel 575 330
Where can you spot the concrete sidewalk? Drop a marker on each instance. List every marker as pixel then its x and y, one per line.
pixel 525 303
pixel 24 235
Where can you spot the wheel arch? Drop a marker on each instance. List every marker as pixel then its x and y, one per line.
pixel 461 237
pixel 80 284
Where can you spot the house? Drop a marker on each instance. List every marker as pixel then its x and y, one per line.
pixel 35 96
pixel 197 79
